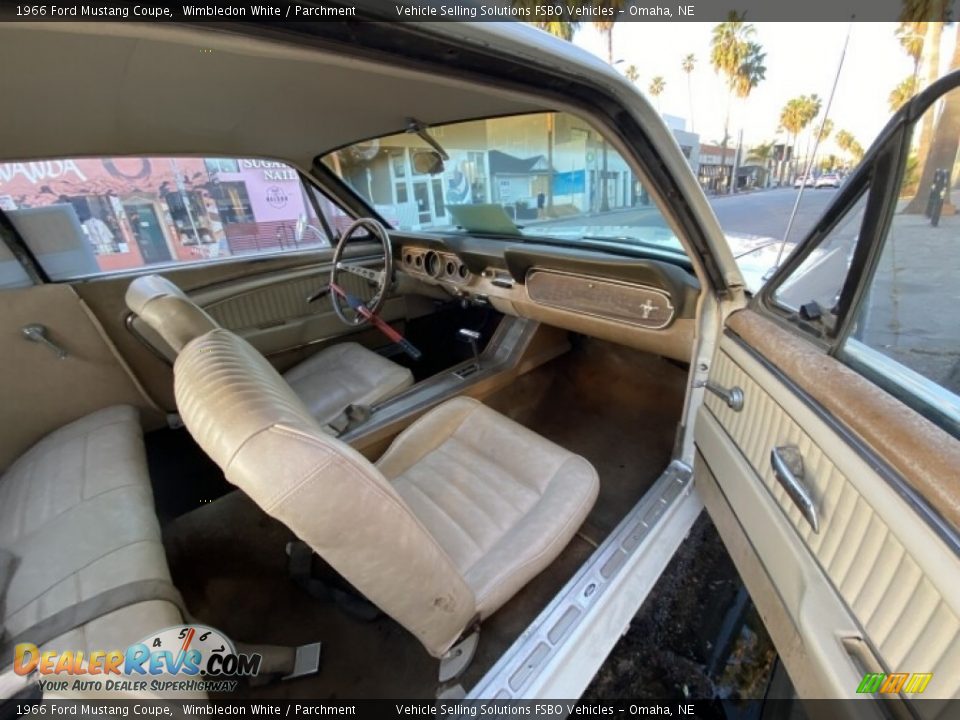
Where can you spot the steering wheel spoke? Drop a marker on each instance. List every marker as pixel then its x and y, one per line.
pixel 382 279
pixel 361 271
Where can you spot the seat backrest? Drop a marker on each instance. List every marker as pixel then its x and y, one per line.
pixel 168 311
pixel 249 421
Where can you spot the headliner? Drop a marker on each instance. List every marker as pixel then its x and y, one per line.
pixel 94 89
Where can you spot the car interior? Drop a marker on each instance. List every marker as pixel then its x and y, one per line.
pixel 399 444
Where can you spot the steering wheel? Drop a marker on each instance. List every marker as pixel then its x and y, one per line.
pixel 383 278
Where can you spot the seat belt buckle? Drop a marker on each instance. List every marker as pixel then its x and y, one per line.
pixel 351 416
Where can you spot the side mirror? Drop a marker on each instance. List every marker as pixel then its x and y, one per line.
pixel 427 162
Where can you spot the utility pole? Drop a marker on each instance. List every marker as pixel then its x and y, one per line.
pixel 736 163
pixel 550 141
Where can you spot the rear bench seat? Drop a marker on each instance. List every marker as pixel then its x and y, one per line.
pixel 76 510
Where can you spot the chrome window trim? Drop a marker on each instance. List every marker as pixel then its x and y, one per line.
pixel 927 393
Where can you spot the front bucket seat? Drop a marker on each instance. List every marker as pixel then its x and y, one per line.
pixel 464 508
pixel 327 382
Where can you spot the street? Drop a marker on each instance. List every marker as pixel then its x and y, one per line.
pixel 761 214
pixel 765 213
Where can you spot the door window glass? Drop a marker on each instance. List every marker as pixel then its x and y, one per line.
pixel 89 216
pixel 905 334
pixel 821 275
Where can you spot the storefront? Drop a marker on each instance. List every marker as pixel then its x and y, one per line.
pixel 141 211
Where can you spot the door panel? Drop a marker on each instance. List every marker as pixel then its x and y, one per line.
pixel 41 392
pixel 876 570
pixel 262 299
pixel 273 315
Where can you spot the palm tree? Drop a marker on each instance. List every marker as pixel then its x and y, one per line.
pixel 825 129
pixel 848 143
pixel 914 15
pixel 657 86
pixel 904 90
pixel 631 73
pixel 740 60
pixel 856 151
pixel 943 147
pixel 911 37
pixel 931 61
pixel 762 155
pixel 811 105
pixel 605 26
pixel 793 119
pixel 562 28
pixel 752 70
pixel 688 63
pixel 844 140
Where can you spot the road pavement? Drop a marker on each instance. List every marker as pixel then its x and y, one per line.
pixel 763 213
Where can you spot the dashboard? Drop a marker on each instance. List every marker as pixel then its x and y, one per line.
pixel 644 303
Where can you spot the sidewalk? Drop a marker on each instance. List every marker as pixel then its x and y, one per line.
pixel 910 310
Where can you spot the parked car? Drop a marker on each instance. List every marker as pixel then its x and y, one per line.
pixel 514 472
pixel 829 180
pixel 803 181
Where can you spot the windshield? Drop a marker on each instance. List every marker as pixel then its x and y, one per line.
pixel 545 175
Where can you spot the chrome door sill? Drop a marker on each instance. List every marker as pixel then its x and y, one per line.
pixel 560 652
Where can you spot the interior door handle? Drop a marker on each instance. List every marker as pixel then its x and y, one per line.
pixel 787 465
pixel 36 332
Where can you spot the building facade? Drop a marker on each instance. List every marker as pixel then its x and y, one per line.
pixel 716 167
pixel 136 211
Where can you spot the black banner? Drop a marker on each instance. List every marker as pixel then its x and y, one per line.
pixel 583 11
pixel 501 709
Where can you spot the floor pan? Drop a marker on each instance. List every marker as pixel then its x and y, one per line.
pixel 228 560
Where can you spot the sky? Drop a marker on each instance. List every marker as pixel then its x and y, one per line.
pixel 802 58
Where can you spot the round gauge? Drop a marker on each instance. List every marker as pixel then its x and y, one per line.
pixel 181 638
pixel 450 268
pixel 433 264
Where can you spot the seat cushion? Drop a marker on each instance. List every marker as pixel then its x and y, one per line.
pixel 76 510
pixel 501 500
pixel 345 374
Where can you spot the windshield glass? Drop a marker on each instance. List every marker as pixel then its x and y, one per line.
pixel 542 175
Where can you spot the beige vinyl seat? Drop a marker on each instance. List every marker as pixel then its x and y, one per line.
pixel 327 382
pixel 77 522
pixel 463 509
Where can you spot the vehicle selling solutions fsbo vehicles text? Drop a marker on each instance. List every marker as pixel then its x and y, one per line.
pixel 520 13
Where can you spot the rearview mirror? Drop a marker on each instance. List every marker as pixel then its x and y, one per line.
pixel 427 162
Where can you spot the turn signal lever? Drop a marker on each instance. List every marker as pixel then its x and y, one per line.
pixel 322 292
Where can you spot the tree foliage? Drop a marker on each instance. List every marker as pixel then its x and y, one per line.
pixel 911 36
pixel 904 90
pixel 762 153
pixel 729 47
pixel 606 25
